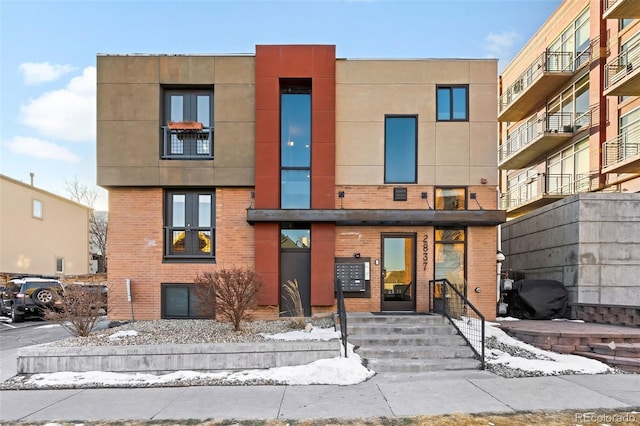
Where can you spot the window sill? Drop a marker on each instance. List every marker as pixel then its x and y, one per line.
pixel 188 259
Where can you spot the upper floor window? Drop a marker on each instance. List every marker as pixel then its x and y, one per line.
pixel 190 225
pixel 453 103
pixel 37 209
pixel 187 131
pixel 623 23
pixel 295 145
pixel 572 48
pixel 400 148
pixel 451 198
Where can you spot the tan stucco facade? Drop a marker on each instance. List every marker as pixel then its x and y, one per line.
pixel 449 153
pixel 34 245
pixel 129 117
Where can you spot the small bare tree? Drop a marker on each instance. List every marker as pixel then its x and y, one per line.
pixel 230 293
pixel 81 193
pixel 78 308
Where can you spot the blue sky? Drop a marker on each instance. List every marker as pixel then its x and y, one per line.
pixel 48 55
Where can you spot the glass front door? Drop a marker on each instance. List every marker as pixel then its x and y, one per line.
pixel 398 273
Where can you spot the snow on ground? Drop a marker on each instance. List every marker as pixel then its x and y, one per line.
pixel 505 352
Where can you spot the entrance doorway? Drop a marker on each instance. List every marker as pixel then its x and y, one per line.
pixel 398 272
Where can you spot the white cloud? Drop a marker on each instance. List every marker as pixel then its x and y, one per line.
pixel 67 114
pixel 42 72
pixel 499 45
pixel 41 150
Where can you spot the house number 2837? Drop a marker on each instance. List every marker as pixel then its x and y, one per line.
pixel 425 252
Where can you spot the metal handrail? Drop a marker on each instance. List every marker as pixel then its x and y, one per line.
pixel 447 310
pixel 623 146
pixel 533 129
pixel 189 141
pixel 342 315
pixel 622 65
pixel 546 62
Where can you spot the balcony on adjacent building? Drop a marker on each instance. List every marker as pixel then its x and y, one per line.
pixel 622 73
pixel 622 153
pixel 539 136
pixel 620 9
pixel 542 79
pixel 541 190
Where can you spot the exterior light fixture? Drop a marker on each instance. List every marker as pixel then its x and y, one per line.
pixel 425 196
pixel 500 257
pixel 341 196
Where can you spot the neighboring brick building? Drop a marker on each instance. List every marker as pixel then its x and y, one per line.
pixel 388 166
pixel 569 112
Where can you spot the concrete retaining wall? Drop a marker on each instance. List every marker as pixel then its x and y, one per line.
pixel 589 241
pixel 159 359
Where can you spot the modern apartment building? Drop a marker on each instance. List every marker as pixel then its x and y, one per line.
pixel 569 116
pixel 380 175
pixel 41 233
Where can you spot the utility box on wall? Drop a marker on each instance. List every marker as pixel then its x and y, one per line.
pixel 354 275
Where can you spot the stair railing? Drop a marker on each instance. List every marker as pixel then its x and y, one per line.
pixel 342 315
pixel 446 299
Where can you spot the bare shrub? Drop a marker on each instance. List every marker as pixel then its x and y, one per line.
pixel 231 293
pixel 291 294
pixel 78 309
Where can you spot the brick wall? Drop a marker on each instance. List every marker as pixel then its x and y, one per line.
pixel 136 243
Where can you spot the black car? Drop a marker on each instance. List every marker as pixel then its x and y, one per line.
pixel 29 296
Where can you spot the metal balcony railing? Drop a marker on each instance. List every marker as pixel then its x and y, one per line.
pixel 618 68
pixel 623 146
pixel 187 144
pixel 545 184
pixel 534 129
pixel 547 62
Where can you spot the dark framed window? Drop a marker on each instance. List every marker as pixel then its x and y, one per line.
pixel 187 129
pixel 190 225
pixel 451 198
pixel 451 256
pixel 295 144
pixel 179 301
pixel 452 103
pixel 400 148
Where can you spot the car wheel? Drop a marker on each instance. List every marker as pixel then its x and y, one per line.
pixel 15 316
pixel 42 297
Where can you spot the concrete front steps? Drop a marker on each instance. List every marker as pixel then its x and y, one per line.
pixel 625 356
pixel 404 343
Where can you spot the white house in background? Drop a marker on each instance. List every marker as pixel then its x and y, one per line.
pixel 41 232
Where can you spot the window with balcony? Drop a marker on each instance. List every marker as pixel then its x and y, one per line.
pixel 569 111
pixel 568 170
pixel 451 199
pixel 520 189
pixel 400 148
pixel 190 225
pixel 187 130
pixel 452 103
pixel 295 145
pixel 623 23
pixel 572 49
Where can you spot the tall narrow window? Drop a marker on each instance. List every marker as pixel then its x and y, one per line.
pixel 189 227
pixel 188 124
pixel 295 147
pixel 453 103
pixel 450 256
pixel 400 149
pixel 60 265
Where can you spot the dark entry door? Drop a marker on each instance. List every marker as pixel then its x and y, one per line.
pixel 398 272
pixel 295 268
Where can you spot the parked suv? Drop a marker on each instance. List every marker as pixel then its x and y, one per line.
pixel 29 296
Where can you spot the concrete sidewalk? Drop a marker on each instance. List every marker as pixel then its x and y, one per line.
pixel 389 395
